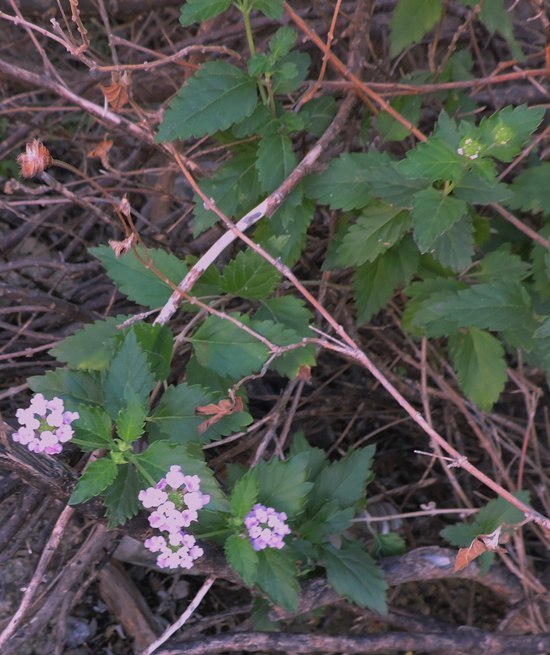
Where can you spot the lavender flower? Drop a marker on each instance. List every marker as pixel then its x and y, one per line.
pixel 45 425
pixel 176 499
pixel 266 527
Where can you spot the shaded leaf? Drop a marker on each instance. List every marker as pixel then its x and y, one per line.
pixel 433 214
pixel 95 479
pixel 249 276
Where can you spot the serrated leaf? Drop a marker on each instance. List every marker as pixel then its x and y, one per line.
pixel 197 11
pixel 455 247
pixel 242 558
pixel 434 213
pixel 276 577
pixel 270 8
pixel 282 41
pixel 75 387
pixel 377 229
pixel 283 485
pixel 531 190
pixel 505 132
pixel 393 186
pixel 249 276
pixel 494 16
pixel 501 264
pixel 356 576
pixel 475 189
pixel 478 359
pixel 344 184
pixel 128 375
pixel 95 479
pixel 318 114
pixel 411 20
pixel 344 481
pixel 374 283
pixel 91 347
pixel 276 160
pixel 497 306
pixel 157 342
pixel 434 160
pixel 121 497
pixel 131 419
pixel 409 108
pixel 138 281
pixel 216 97
pixel 288 311
pixel 234 187
pixel 288 363
pixel 328 520
pixel 175 416
pixel 289 72
pixel 93 429
pixel 243 496
pixel 227 349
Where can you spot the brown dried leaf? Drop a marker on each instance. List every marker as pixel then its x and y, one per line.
pixel 467 555
pixel 35 159
pixel 124 246
pixel 304 373
pixel 116 92
pixel 217 411
pixel 101 151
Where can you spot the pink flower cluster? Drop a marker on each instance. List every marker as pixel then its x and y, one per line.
pixel 266 527
pixel 177 498
pixel 45 425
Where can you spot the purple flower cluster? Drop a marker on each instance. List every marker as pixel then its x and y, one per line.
pixel 266 527
pixel 176 500
pixel 45 425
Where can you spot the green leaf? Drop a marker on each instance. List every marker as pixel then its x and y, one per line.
pixel 496 512
pixel 501 265
pixel 197 11
pixel 131 419
pixel 344 184
pixel 175 416
pixel 276 160
pixel 283 485
pixel 249 276
pixel 227 349
pixel 505 132
pixel 411 20
pixel 282 41
pixel 531 190
pixel 93 429
pixel 270 8
pixel 374 283
pixel 377 229
pixel 75 387
pixel 244 495
pixel 234 187
pixel 435 160
pixel 216 97
pixel 121 497
pixel 276 577
pixel 289 72
pixel 497 306
pixel 494 16
pixel 344 481
pixel 288 311
pixel 290 362
pixel 356 576
pixel 157 342
pixel 478 358
pixel 455 248
pixel 433 214
pixel 475 189
pixel 388 544
pixel 389 183
pixel 128 375
pixel 318 114
pixel 242 558
pixel 392 130
pixel 328 520
pixel 95 479
pixel 137 280
pixel 91 347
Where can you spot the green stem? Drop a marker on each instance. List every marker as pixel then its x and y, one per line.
pixel 245 10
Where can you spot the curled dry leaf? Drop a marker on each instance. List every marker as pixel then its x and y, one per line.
pixel 481 544
pixel 116 93
pixel 217 411
pixel 101 151
pixel 35 159
pixel 122 247
pixel 304 373
pixel 124 206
